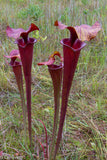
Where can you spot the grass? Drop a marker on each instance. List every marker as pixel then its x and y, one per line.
pixel 84 135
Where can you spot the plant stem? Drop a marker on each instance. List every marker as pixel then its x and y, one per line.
pixel 56 75
pixel 19 79
pixel 28 97
pixel 56 118
pixel 46 137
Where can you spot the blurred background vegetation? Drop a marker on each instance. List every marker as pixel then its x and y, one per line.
pixel 84 135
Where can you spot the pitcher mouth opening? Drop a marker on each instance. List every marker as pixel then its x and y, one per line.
pixel 77 46
pixel 22 44
pixel 55 67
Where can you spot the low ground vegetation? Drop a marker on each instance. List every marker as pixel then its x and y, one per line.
pixel 84 134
